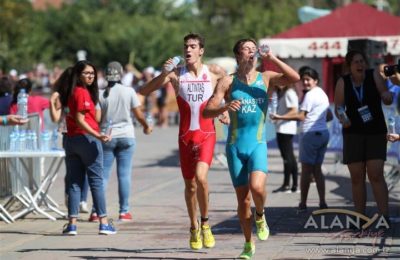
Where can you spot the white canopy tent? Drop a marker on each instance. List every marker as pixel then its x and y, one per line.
pixel 323 47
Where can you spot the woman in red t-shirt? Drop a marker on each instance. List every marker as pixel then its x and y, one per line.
pixel 84 153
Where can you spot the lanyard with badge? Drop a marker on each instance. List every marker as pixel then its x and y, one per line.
pixel 363 111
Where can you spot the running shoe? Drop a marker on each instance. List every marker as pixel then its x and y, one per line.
pixel 107 229
pixel 125 217
pixel 195 239
pixel 83 207
pixel 69 230
pixel 93 217
pixel 262 228
pixel 248 251
pixel 208 238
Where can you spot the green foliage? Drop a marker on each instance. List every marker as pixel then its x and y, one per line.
pixel 149 30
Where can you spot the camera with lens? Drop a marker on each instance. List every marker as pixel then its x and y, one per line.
pixel 390 70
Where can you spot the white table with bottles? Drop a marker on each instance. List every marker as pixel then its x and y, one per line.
pixel 37 199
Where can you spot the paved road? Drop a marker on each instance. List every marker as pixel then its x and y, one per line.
pixel 160 227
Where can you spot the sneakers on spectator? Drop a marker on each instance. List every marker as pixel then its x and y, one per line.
pixel 69 230
pixel 281 189
pixel 294 189
pixel 107 229
pixel 93 217
pixel 323 206
pixel 125 217
pixel 83 207
pixel 248 250
pixel 302 208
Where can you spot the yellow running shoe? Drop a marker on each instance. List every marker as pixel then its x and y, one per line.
pixel 248 251
pixel 208 238
pixel 195 239
pixel 262 228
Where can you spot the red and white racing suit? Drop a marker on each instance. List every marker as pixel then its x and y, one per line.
pixel 196 133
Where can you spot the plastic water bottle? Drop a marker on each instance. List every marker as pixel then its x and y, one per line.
pixel 342 115
pixel 45 141
pixel 13 141
pixel 391 125
pixel 34 141
pixel 263 50
pixel 274 103
pixel 175 61
pixel 21 143
pixel 22 103
pixel 149 119
pixel 107 130
pixel 29 140
pixel 54 139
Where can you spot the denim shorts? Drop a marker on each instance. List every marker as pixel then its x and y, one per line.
pixel 313 146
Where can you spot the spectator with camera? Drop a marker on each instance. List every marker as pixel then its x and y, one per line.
pixel 360 94
pixel 392 75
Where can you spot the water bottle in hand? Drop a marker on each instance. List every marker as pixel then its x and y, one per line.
pixel 343 116
pixel 264 49
pixel 107 130
pixel 274 103
pixel 149 120
pixel 175 61
pixel 22 104
pixel 391 125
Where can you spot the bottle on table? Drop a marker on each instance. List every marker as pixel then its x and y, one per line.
pixel 54 139
pixel 13 141
pixel 45 141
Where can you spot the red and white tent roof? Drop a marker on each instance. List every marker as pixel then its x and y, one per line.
pixel 328 36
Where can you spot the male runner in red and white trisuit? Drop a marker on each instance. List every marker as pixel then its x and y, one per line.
pixel 193 84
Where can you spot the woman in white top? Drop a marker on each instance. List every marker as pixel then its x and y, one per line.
pixel 285 130
pixel 117 103
pixel 314 137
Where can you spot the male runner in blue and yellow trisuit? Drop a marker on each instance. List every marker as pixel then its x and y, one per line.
pixel 246 95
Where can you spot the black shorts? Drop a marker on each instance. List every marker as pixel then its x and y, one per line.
pixel 364 147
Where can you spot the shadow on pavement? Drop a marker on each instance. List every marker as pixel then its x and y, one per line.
pixel 171 160
pixel 344 189
pixel 126 251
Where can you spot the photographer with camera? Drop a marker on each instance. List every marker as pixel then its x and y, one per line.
pixel 361 93
pixel 391 73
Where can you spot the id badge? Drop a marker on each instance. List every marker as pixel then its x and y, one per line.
pixel 365 114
